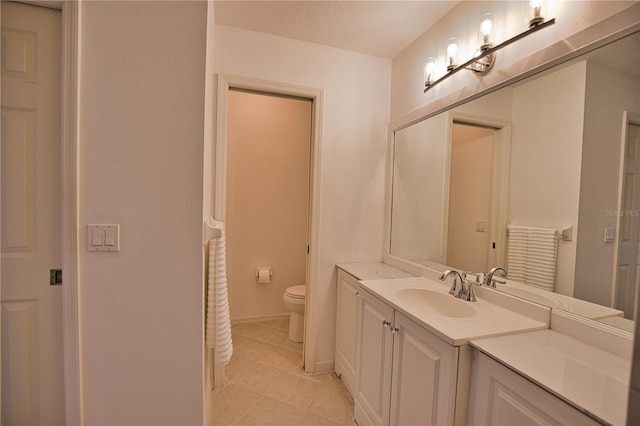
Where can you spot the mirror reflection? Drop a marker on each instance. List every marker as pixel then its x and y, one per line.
pixel 495 181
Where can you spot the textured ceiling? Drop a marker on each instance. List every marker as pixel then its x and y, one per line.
pixel 623 55
pixel 379 28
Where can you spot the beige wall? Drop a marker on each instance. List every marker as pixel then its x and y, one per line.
pixel 141 142
pixel 268 154
pixel 469 197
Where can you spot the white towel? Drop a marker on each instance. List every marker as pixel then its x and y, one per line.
pixel 218 326
pixel 532 256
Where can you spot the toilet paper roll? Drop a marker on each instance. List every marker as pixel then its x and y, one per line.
pixel 264 275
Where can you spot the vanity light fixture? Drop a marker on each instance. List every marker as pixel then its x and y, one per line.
pixel 484 58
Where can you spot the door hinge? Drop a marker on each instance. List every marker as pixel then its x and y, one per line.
pixel 55 277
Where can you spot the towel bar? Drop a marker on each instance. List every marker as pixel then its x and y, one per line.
pixel 565 233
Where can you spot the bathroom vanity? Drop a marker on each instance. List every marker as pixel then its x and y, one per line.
pixel 417 355
pixel 346 314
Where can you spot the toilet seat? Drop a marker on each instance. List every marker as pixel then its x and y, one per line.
pixel 296 292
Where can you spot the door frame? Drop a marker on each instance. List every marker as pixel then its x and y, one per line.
pixel 227 81
pixel 628 117
pixel 70 44
pixel 501 164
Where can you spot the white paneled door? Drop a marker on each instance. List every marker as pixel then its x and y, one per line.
pixel 32 361
pixel 629 243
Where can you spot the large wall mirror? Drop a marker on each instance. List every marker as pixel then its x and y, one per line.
pixel 556 151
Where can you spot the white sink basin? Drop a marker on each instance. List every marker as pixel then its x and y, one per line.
pixel 428 302
pixel 442 303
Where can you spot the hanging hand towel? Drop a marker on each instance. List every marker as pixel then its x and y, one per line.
pixel 532 256
pixel 218 325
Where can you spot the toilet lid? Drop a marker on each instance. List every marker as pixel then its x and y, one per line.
pixel 297 291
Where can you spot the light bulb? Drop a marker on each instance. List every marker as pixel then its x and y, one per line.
pixel 536 6
pixel 486 28
pixel 452 51
pixel 429 69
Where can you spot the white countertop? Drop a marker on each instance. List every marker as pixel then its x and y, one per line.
pixel 591 379
pixel 494 314
pixel 372 270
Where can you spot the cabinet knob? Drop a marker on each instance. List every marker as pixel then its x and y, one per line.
pixel 386 323
pixel 394 330
pixel 357 294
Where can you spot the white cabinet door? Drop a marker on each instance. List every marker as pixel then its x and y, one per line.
pixel 346 329
pixel 424 376
pixel 500 396
pixel 375 347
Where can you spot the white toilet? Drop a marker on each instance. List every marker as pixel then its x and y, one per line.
pixel 294 298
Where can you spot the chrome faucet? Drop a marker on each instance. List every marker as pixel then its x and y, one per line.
pixel 454 287
pixel 488 280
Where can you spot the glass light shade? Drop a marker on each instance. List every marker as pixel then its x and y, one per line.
pixel 429 71
pixel 487 22
pixel 452 53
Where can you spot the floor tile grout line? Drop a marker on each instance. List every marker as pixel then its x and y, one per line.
pixel 330 385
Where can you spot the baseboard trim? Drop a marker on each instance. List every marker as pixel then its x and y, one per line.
pixel 325 366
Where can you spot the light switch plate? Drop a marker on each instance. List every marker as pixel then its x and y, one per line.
pixel 103 237
pixel 609 235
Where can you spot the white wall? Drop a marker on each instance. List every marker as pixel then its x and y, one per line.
pixel 546 159
pixel 355 117
pixel 608 94
pixel 141 142
pixel 419 177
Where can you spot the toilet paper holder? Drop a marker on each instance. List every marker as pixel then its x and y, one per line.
pixel 263 274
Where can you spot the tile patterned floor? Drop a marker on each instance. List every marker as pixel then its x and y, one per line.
pixel 266 384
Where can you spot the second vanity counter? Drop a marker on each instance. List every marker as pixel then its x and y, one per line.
pixel 456 321
pixel 592 377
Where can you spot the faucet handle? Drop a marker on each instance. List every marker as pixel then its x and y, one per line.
pixel 471 297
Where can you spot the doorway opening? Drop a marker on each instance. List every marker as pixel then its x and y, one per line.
pixel 474 232
pixel 267 214
pixel 314 98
